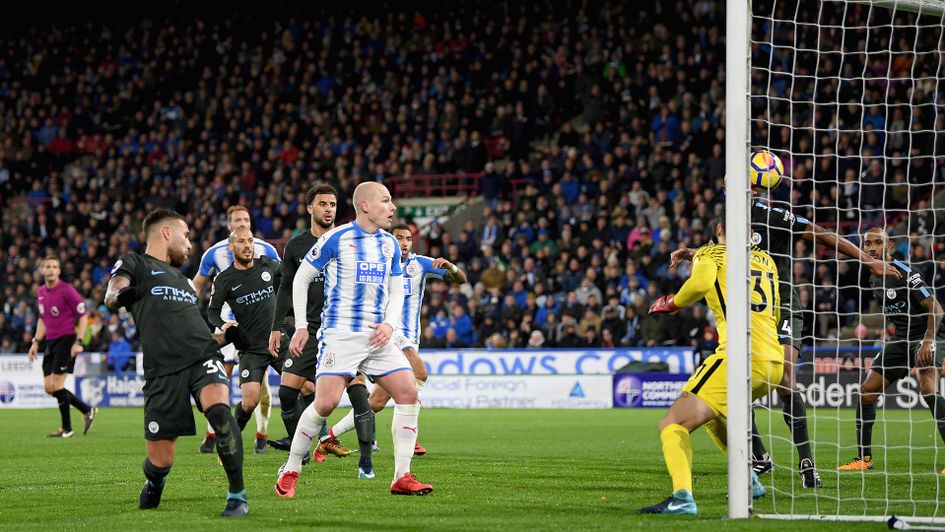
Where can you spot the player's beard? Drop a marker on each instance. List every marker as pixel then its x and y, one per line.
pixel 323 224
pixel 176 257
pixel 243 259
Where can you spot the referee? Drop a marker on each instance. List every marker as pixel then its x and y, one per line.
pixel 60 307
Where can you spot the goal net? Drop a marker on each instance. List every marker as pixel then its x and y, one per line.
pixel 849 95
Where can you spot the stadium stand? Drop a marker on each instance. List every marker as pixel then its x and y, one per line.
pixel 593 137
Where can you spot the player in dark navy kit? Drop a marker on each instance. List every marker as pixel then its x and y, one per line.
pixel 298 373
pixel 248 287
pixel 62 324
pixel 919 342
pixel 181 357
pixel 774 229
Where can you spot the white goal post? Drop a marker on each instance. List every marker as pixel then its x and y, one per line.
pixel 835 501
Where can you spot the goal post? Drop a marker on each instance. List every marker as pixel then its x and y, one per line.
pixel 737 24
pixel 850 94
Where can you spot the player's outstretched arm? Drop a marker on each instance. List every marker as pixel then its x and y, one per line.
pixel 818 235
pixel 704 272
pixel 682 254
pixel 453 274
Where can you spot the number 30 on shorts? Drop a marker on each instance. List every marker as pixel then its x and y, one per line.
pixel 214 366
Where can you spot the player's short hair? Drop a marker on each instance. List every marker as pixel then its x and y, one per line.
pixel 318 190
pixel 48 258
pixel 155 217
pixel 400 227
pixel 718 221
pixel 235 208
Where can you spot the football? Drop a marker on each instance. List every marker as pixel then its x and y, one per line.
pixel 765 170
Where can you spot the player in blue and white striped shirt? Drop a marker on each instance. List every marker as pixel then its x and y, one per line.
pixel 216 259
pixel 364 299
pixel 417 269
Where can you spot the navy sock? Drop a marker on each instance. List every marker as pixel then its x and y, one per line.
pixel 155 475
pixel 229 443
pixel 289 399
pixel 62 396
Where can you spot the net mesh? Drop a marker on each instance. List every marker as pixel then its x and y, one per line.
pixel 849 95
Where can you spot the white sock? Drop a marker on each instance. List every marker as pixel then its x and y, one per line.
pixel 310 424
pixel 210 430
pixel 403 429
pixel 346 424
pixel 264 408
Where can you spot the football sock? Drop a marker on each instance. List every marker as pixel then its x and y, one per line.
pixel 403 430
pixel 78 403
pixel 346 424
pixel 677 452
pixel 363 418
pixel 306 401
pixel 310 424
pixel 264 409
pixel 62 396
pixel 865 417
pixel 229 444
pixel 291 409
pixel 937 406
pixel 155 475
pixel 795 415
pixel 757 446
pixel 718 433
pixel 242 417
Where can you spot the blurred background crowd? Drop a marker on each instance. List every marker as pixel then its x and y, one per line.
pixel 591 136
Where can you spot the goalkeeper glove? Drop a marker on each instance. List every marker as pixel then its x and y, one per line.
pixel 664 305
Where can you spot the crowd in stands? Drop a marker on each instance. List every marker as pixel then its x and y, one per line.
pixel 612 117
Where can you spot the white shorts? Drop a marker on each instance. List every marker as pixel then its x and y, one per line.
pixel 405 343
pixel 347 353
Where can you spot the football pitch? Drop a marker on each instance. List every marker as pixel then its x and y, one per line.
pixel 491 469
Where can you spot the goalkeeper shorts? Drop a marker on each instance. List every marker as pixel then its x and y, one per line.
pixel 710 383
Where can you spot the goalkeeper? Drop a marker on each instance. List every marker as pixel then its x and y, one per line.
pixel 919 342
pixel 774 228
pixel 703 399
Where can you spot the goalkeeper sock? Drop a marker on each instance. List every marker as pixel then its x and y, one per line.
pixel 795 415
pixel 758 450
pixel 937 406
pixel 677 452
pixel 865 417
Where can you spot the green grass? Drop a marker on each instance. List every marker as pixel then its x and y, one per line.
pixel 491 469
